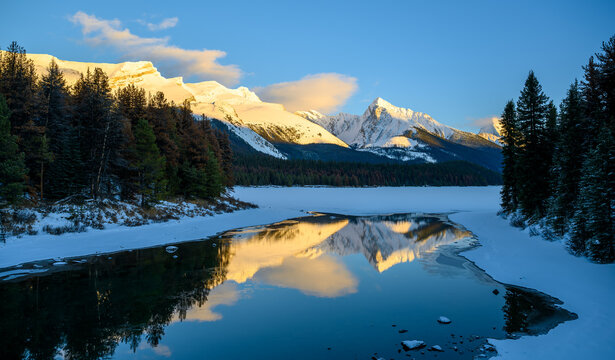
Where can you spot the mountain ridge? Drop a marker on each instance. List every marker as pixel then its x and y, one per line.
pixel 384 130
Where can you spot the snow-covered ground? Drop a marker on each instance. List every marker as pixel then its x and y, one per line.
pixel 512 256
pixel 508 254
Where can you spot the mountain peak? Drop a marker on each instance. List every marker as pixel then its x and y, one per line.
pixel 381 102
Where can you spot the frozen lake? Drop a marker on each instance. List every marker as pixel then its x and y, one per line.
pixel 316 287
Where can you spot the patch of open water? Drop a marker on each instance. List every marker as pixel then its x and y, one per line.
pixel 319 287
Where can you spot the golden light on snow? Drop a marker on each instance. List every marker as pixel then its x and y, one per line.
pixel 400 227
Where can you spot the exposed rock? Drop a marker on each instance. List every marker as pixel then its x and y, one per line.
pixel 444 320
pixel 412 344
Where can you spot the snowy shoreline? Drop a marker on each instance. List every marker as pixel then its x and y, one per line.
pixel 506 253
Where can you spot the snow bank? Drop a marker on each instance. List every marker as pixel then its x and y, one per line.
pixel 117 237
pixel 512 256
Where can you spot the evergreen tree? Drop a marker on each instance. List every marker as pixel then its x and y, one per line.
pixel 568 160
pixel 226 158
pixel 510 139
pixel 594 223
pixel 35 145
pixel 132 103
pixel 606 66
pixel 593 104
pixel 18 85
pixel 55 118
pixel 214 176
pixel 150 164
pixel 161 115
pixel 100 131
pixel 533 163
pixel 12 166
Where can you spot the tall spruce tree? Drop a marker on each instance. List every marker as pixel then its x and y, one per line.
pixel 533 163
pixel 606 65
pixel 214 176
pixel 568 160
pixel 12 166
pixel 593 102
pixel 510 151
pixel 100 131
pixel 161 115
pixel 54 115
pixel 150 164
pixel 593 228
pixel 18 85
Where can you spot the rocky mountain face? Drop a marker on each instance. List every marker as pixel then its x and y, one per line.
pixel 406 135
pixel 492 131
pixel 256 122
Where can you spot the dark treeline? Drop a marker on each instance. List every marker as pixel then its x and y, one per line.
pixel 266 170
pixel 58 141
pixel 559 167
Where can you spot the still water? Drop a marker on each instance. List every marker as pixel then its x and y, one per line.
pixel 319 287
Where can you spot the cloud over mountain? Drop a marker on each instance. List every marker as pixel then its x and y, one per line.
pixel 325 92
pixel 169 58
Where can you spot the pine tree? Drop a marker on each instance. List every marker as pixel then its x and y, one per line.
pixel 593 104
pixel 35 145
pixel 594 223
pixel 12 166
pixel 226 158
pixel 533 170
pixel 568 160
pixel 100 131
pixel 214 177
pixel 510 139
pixel 132 103
pixel 161 116
pixel 18 85
pixel 54 117
pixel 606 66
pixel 150 164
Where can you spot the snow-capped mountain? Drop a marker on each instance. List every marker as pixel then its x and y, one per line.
pixel 381 125
pixel 384 132
pixel 492 131
pixel 256 122
pixel 395 132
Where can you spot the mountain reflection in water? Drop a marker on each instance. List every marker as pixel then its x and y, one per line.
pixel 85 310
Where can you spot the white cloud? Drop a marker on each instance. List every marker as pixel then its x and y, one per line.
pixel 325 92
pixel 164 24
pixel 486 121
pixel 172 60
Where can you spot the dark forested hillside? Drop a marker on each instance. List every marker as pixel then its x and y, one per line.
pixel 255 169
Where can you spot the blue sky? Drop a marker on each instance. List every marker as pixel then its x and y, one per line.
pixel 459 61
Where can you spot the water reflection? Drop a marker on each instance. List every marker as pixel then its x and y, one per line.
pixel 280 280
